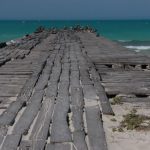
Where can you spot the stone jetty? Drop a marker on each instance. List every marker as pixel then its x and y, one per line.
pixel 56 89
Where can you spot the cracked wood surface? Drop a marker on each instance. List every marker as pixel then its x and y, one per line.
pixel 56 87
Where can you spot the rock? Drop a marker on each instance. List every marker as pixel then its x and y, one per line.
pixel 39 29
pixel 3 44
pixel 65 28
pixel 97 35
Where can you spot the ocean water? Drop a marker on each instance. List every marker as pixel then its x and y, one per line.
pixel 134 34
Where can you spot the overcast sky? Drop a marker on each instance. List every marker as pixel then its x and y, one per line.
pixel 74 9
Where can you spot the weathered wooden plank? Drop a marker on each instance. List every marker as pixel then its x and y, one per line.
pixel 1 139
pixel 7 100
pixel 64 76
pixel 127 80
pixel 27 89
pixel 60 130
pixel 32 145
pixel 42 82
pixel 77 118
pixel 52 89
pixel 124 76
pixel 10 91
pixel 8 117
pixel 77 97
pixel 79 140
pixel 29 114
pixel 41 127
pixel 129 90
pixel 96 135
pixel 13 77
pixel 57 46
pixel 41 63
pixel 15 73
pixel 74 66
pixel 106 107
pixel 21 55
pixel 145 100
pixel 11 142
pixel 63 90
pixel 66 66
pixel 59 146
pixel 89 92
pixel 12 82
pixel 74 79
pixel 65 59
pixel 48 67
pixel 127 84
pixel 3 132
pixel 85 78
pixel 14 54
pixel 16 68
pixel 50 147
pixel 55 74
pixel 94 74
pixel 127 61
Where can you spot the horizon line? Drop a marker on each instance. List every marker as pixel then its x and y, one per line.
pixel 130 19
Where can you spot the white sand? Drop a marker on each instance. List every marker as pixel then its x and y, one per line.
pixel 127 140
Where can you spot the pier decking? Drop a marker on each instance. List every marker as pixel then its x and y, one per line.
pixel 55 90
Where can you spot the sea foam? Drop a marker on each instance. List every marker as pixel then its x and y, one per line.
pixel 138 47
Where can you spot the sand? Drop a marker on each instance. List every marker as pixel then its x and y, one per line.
pixel 127 140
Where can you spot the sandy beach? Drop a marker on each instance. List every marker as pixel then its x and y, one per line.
pixel 128 139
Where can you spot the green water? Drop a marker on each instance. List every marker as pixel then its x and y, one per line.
pixel 115 30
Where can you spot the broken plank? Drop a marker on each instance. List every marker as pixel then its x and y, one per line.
pixel 8 117
pixel 52 89
pixel 89 92
pixel 41 128
pixel 74 79
pixel 11 142
pixel 63 90
pixel 60 131
pixel 59 146
pixel 95 131
pixel 77 98
pixel 24 122
pixel 79 141
pixel 77 118
pixel 32 145
pixel 104 101
pixel 42 82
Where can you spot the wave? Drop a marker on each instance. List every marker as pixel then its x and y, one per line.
pixel 134 43
pixel 138 47
pixel 124 41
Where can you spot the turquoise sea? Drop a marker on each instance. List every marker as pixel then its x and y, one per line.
pixel 132 33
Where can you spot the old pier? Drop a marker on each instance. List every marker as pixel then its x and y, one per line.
pixel 55 89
